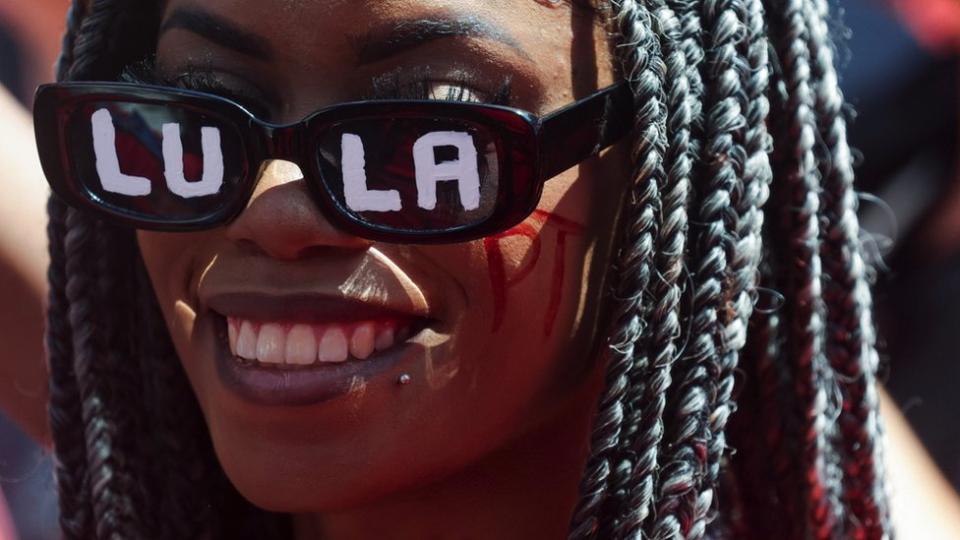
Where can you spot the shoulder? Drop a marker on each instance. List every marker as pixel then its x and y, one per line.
pixel 923 503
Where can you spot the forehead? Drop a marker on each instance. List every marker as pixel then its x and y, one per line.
pixel 297 29
pixel 304 18
pixel 313 53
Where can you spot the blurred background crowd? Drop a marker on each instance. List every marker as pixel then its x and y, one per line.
pixel 900 61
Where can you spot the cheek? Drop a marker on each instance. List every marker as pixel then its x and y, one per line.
pixel 170 263
pixel 540 285
pixel 536 249
pixel 164 266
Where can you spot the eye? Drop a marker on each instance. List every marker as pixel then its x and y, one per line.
pixel 454 92
pixel 425 84
pixel 200 80
pixel 223 86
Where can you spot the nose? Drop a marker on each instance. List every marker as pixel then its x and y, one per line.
pixel 282 221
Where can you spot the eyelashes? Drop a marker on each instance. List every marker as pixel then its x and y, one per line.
pixel 421 83
pixel 202 80
pixel 418 83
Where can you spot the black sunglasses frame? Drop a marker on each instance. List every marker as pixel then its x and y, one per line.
pixel 531 150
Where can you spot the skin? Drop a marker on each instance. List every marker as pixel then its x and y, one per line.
pixel 519 480
pixel 485 402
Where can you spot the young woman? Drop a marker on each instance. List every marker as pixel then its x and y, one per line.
pixel 368 321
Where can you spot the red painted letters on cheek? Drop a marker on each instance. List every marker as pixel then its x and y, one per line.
pixel 501 284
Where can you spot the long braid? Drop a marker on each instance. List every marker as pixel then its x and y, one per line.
pixel 852 347
pixel 701 409
pixel 736 151
pixel 806 310
pixel 109 481
pixel 765 350
pixel 768 502
pixel 66 422
pixel 643 69
pixel 764 457
pixel 652 383
pixel 746 57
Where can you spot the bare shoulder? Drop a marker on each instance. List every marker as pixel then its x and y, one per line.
pixel 924 505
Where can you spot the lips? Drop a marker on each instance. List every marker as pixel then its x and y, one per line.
pixel 304 349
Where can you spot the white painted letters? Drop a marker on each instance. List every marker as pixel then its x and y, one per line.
pixel 212 178
pixel 358 197
pixel 463 169
pixel 114 181
pixel 107 162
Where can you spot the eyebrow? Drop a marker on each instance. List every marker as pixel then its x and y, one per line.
pixel 220 31
pixel 395 38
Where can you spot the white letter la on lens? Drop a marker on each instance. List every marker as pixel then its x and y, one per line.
pixel 429 172
pixel 114 181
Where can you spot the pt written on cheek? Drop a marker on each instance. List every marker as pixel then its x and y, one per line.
pixel 501 284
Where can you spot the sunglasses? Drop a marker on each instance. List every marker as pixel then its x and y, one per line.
pixel 403 171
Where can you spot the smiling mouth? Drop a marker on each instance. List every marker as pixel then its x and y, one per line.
pixel 343 361
pixel 305 349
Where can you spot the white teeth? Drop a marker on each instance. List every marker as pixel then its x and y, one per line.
pixel 361 342
pixel 333 345
pixel 247 341
pixel 384 338
pixel 271 344
pixel 232 331
pixel 301 345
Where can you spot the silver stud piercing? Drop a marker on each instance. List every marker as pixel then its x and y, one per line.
pixel 404 379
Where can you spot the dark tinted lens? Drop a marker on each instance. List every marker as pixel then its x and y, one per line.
pixel 414 174
pixel 156 162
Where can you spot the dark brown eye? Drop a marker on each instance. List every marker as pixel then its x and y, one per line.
pixel 200 80
pixel 212 83
pixel 427 84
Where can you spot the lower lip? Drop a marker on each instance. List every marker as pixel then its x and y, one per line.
pixel 303 386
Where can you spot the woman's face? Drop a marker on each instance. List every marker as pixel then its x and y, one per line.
pixel 331 369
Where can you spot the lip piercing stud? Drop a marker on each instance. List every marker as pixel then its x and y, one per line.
pixel 404 379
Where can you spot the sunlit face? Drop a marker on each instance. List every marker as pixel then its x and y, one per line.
pixel 372 367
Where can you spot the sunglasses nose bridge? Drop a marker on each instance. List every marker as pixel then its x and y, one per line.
pixel 282 142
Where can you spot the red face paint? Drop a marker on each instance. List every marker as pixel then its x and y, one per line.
pixel 500 283
pixel 556 286
pixel 497 267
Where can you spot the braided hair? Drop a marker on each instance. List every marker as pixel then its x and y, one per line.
pixel 741 185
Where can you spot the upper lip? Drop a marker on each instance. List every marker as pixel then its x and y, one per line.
pixel 304 307
pixel 328 290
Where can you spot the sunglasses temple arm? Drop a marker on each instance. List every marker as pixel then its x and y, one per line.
pixel 584 128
